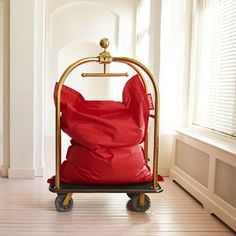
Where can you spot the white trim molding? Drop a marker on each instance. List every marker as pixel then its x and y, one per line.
pixel 18 173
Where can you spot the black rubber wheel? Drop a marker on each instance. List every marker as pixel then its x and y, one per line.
pixel 58 204
pixel 130 195
pixel 136 203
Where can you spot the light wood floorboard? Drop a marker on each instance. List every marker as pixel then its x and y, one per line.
pixel 27 208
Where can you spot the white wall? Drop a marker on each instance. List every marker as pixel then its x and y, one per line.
pixel 26 36
pixel 28 85
pixel 22 94
pixel 39 66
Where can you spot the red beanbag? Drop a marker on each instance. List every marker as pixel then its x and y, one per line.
pixel 105 137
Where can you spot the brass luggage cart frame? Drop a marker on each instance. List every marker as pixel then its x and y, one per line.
pixel 140 201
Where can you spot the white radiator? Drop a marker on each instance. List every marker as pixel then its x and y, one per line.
pixel 208 172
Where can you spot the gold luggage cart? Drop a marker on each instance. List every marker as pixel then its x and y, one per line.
pixel 139 201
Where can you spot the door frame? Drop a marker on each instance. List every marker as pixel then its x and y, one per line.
pixel 6 89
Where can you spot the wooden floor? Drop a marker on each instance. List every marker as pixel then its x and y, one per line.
pixel 27 208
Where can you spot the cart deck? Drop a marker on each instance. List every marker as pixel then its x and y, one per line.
pixel 128 188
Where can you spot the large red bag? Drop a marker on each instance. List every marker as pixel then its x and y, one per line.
pixel 105 137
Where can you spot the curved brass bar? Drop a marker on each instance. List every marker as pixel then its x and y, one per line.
pixel 129 61
pixel 58 124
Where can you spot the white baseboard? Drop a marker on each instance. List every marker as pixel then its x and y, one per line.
pixel 14 173
pixel 221 209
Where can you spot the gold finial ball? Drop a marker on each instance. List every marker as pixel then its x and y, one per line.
pixel 104 43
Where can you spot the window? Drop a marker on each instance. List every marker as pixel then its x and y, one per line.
pixel 174 63
pixel 214 66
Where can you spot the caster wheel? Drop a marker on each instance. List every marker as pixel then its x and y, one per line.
pixel 136 203
pixel 58 204
pixel 130 195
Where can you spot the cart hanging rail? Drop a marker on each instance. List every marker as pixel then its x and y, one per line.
pixel 140 201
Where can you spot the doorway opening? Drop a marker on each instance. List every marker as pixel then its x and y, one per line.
pixel 69 37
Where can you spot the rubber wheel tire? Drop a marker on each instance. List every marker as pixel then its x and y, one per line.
pixel 59 201
pixel 131 195
pixel 136 205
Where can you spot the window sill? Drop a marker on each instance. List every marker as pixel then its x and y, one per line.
pixel 220 141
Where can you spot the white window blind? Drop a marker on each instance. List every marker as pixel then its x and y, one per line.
pixel 214 67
